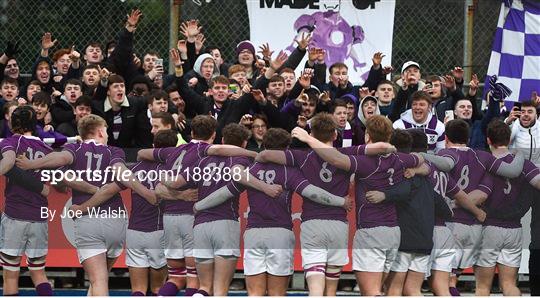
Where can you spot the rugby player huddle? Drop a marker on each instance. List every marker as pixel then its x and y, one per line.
pixel 417 215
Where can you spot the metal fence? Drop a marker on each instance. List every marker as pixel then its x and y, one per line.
pixel 429 31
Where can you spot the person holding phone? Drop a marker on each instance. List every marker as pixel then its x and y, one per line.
pixel 444 91
pixel 526 132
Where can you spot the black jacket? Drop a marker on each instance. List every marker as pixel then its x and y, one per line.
pixel 69 129
pixel 416 213
pixel 133 123
pixel 231 111
pixel 61 112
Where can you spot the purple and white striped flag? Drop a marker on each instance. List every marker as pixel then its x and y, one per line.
pixel 515 57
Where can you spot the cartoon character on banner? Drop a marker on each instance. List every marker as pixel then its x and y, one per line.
pixel 324 26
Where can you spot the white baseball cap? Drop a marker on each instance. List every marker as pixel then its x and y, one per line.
pixel 409 64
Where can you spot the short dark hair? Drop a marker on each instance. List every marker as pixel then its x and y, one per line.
pixel 337 65
pixel 339 102
pixel 23 120
pixel 42 98
pixel 219 79
pixel 153 53
pixel 433 78
pixel 73 82
pixel 171 88
pixel 457 131
pixel 35 83
pixel 385 82
pixel 276 139
pixel 402 140
pixel 91 66
pixel 141 79
pixel 203 127
pixel 11 81
pixel 498 133
pixel 210 48
pixel 528 103
pixel 323 127
pixel 419 140
pixel 113 79
pixel 235 134
pixel 93 44
pixel 421 95
pixel 260 117
pixel 166 118
pixel 8 105
pixel 165 138
pixel 155 95
pixel 276 78
pixel 84 100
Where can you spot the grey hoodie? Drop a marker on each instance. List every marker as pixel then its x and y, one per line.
pixel 361 113
pixel 198 64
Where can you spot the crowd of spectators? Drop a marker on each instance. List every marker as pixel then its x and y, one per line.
pixel 259 89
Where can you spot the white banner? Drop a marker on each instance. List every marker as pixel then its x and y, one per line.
pixel 350 31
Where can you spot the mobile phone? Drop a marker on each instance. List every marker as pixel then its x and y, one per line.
pixel 159 62
pixel 429 85
pixel 517 105
pixel 233 88
pixel 449 115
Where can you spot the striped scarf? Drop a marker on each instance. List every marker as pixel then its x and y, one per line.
pixel 345 137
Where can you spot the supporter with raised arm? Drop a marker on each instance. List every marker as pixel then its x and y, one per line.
pixel 42 69
pixel 408 84
pixel 61 63
pixel 444 92
pixel 8 63
pixel 218 103
pixel 526 132
pixel 340 85
pixel 466 109
pixel 204 70
pixel 120 61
